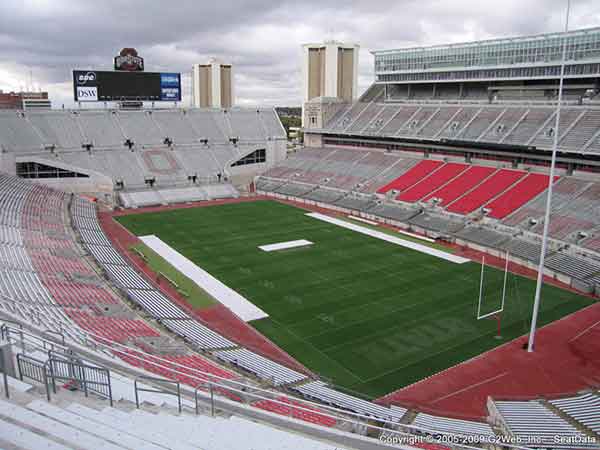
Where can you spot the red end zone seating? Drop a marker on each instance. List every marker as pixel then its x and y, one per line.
pixel 486 191
pixel 414 175
pixel 521 193
pixel 461 184
pixel 432 182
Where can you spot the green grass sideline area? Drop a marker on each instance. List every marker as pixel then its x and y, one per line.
pixel 369 315
pixel 193 294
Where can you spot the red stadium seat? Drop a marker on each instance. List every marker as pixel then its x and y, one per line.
pixel 463 183
pixel 413 176
pixel 518 195
pixel 486 191
pixel 433 182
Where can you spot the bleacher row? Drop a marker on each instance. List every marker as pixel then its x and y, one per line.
pixel 538 423
pixel 68 130
pixel 491 206
pixel 499 124
pixel 135 199
pixel 134 285
pixel 131 147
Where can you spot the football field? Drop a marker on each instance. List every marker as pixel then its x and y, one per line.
pixel 365 314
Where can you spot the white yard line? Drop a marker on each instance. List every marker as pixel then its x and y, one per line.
pixel 240 306
pixel 360 219
pixel 416 236
pixel 394 240
pixel 285 245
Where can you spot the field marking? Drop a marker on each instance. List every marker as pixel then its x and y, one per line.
pixel 360 219
pixel 416 236
pixel 471 386
pixel 392 239
pixel 285 245
pixel 581 333
pixel 381 333
pixel 239 305
pixel 318 350
pixel 430 355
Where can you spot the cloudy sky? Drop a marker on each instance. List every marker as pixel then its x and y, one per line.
pixel 262 38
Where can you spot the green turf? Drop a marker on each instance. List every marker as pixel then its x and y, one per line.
pixel 194 295
pixel 369 315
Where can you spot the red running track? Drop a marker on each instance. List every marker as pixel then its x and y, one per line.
pixel 566 360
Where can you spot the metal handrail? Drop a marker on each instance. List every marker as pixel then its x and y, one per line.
pixel 212 399
pixel 38 364
pixel 355 419
pixel 56 333
pixel 156 391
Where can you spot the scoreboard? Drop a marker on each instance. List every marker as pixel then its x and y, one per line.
pixel 108 86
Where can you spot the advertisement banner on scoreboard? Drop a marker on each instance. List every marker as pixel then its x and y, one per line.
pixel 170 87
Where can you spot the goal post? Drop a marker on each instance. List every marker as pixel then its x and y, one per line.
pixel 497 314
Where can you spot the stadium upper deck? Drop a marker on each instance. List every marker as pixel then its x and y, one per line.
pixel 495 96
pixel 521 58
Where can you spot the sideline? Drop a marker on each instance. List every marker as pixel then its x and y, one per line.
pixel 394 240
pixel 239 305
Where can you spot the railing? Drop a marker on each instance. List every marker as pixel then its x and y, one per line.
pixel 89 378
pixel 33 369
pixel 212 400
pixel 55 333
pixel 238 398
pixel 159 381
pixel 5 381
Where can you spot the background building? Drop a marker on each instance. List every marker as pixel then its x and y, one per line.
pixel 212 85
pixel 329 70
pixel 24 100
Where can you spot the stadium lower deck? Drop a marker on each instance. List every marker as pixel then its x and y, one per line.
pixel 459 391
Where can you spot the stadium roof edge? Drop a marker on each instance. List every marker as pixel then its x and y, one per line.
pixel 489 41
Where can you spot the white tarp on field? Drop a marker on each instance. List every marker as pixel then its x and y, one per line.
pixel 394 240
pixel 243 308
pixel 285 245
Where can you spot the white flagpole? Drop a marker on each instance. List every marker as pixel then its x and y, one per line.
pixel 540 277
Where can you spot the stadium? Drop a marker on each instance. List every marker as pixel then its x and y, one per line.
pixel 179 278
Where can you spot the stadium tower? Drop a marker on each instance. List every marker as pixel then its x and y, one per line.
pixel 329 70
pixel 212 85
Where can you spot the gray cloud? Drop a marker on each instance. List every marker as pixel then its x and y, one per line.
pixel 261 38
